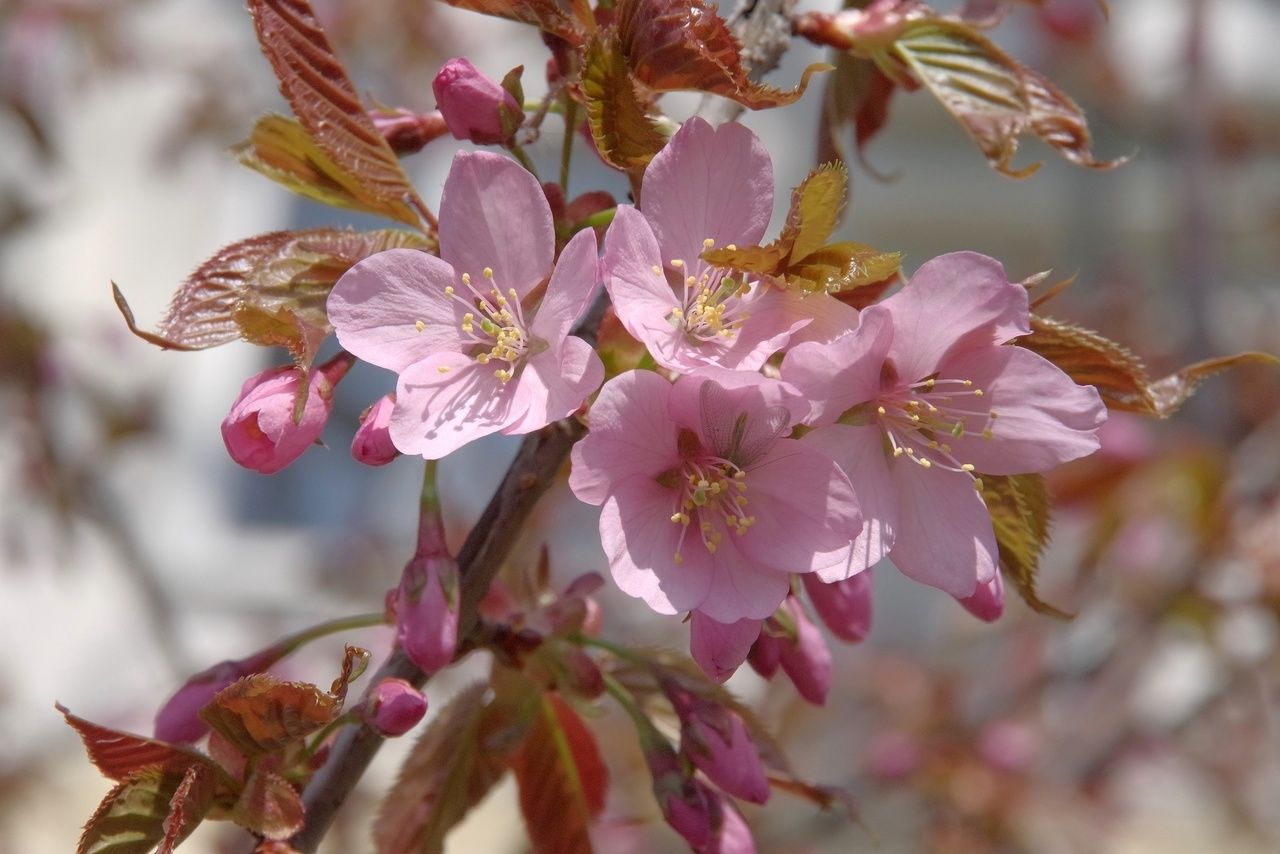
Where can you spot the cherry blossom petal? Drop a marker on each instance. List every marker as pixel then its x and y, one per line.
pixel 953 302
pixel 556 382
pixel 720 648
pixel 845 372
pixel 767 330
pixel 859 451
pixel 944 536
pixel 630 435
pixel 747 391
pixel 376 305
pixel 570 289
pixel 438 411
pixel 708 183
pixel 1043 417
pixel 817 317
pixel 740 588
pixel 640 541
pixel 805 509
pixel 493 214
pixel 642 298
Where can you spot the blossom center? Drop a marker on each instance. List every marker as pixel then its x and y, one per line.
pixel 712 304
pixel 711 496
pixel 917 420
pixel 494 323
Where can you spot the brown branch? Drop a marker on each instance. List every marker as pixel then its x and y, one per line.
pixel 539 459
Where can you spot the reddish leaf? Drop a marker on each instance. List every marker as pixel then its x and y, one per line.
pixel 1120 376
pixel 270 289
pixel 135 816
pixel 261 714
pixel 993 96
pixel 672 45
pixel 460 757
pixel 120 754
pixel 624 134
pixel 562 780
pixel 856 92
pixel 547 15
pixel 269 806
pixel 323 98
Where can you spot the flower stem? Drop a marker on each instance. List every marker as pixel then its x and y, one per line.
pixel 566 150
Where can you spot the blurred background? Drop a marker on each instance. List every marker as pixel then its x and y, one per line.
pixel 133 552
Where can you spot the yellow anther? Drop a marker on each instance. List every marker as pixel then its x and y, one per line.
pixel 880 410
pixel 677 263
pixel 740 500
pixel 690 280
pixel 502 374
pixel 707 243
pixel 444 369
pixel 466 278
pixel 487 272
pixel 739 474
pixel 448 290
pixel 967 383
pixel 897 452
pixel 977 483
pixel 677 558
pixel 966 467
pixel 657 271
pixel 419 325
pixel 925 463
pixel 483 358
pixel 911 452
pixel 742 487
pixel 706 526
pixel 732 247
pixel 987 434
pixel 676 517
pixel 978 392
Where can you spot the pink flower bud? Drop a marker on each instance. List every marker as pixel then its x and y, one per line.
pixel 427 611
pixel 471 102
pixel 394 707
pixel 808 660
pixel 732 836
pixel 178 720
pixel 688 804
pixel 766 653
pixel 260 431
pixel 844 606
pixel 715 738
pixel 408 132
pixel 987 602
pixel 371 444
pixel 720 648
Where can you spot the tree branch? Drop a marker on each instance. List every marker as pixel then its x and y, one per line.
pixel 539 459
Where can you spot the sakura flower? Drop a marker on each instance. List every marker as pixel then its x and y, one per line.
pixel 705 506
pixel 709 187
pixel 477 351
pixel 921 399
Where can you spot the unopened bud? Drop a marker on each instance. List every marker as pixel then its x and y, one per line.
pixel 394 707
pixel 808 660
pixel 408 132
pixel 427 612
pixel 843 606
pixel 720 648
pixel 715 738
pixel 371 444
pixel 178 720
pixel 472 103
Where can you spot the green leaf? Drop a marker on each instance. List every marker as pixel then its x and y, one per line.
pixel 149 808
pixel 1019 509
pixel 461 756
pixel 1120 376
pixel 323 98
pixel 562 779
pixel 624 134
pixel 269 289
pixel 993 96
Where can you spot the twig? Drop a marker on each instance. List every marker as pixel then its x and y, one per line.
pixel 763 27
pixel 534 470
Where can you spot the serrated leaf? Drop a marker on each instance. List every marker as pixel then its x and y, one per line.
pixel 132 818
pixel 562 779
pixel 1019 510
pixel 268 806
pixel 815 209
pixel 993 96
pixel 673 45
pixel 844 266
pixel 624 134
pixel 119 754
pixel 857 92
pixel 461 756
pixel 549 16
pixel 317 87
pixel 1120 376
pixel 260 714
pixel 282 149
pixel 269 289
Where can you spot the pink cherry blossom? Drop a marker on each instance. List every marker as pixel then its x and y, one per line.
pixel 477 351
pixel 705 506
pixel 720 648
pixel 716 740
pixel 709 187
pixel 922 398
pixel 987 601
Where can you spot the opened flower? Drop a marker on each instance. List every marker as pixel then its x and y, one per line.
pixel 480 348
pixel 705 506
pixel 923 398
pixel 708 188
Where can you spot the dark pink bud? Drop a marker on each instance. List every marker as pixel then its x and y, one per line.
pixel 731 836
pixel 408 132
pixel 472 103
pixel 766 653
pixel 808 660
pixel 688 804
pixel 394 707
pixel 715 738
pixel 260 431
pixel 987 602
pixel 843 606
pixel 427 611
pixel 178 720
pixel 371 444
pixel 720 648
